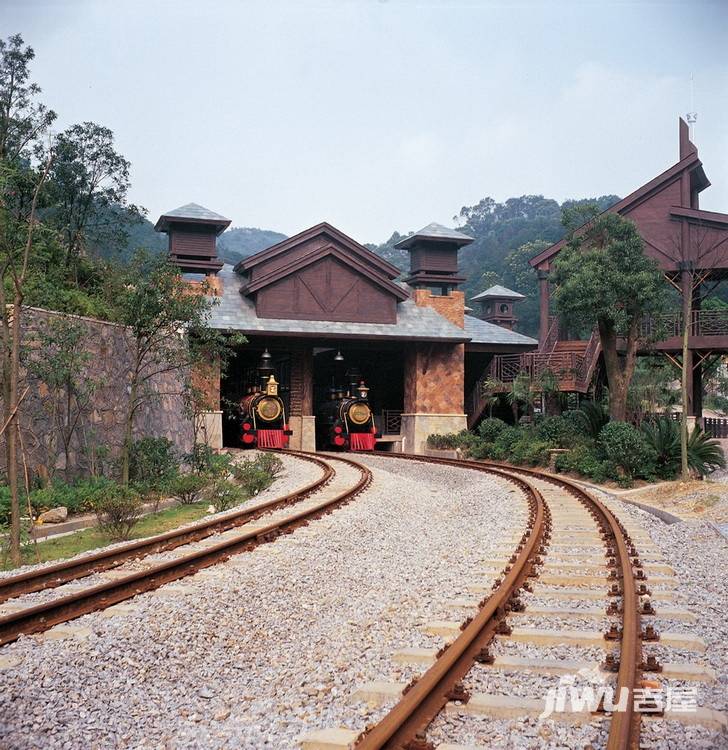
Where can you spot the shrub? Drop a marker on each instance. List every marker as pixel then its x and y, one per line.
pixel 480 450
pixel 118 509
pixel 663 436
pixel 591 417
pixel 152 462
pixel 560 431
pixel 220 465
pixel 271 464
pixel 452 440
pixel 530 451
pixel 201 459
pixel 78 497
pixel 490 428
pixel 585 461
pixel 224 494
pixel 252 476
pixel 626 447
pixel 187 488
pixel 503 444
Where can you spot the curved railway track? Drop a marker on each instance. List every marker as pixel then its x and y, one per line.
pixel 37 618
pixel 405 725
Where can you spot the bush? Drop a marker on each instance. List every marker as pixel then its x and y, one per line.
pixel 201 459
pixel 221 465
pixel 480 450
pixel 559 431
pixel 224 494
pixel 590 418
pixel 626 447
pixel 254 476
pixel 663 436
pixel 187 488
pixel 118 509
pixel 79 497
pixel 462 439
pixel 490 428
pixel 530 451
pixel 503 444
pixel 585 461
pixel 153 461
pixel 271 464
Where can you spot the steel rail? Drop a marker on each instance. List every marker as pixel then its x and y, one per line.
pixel 57 574
pixel 407 717
pixel 428 696
pixel 41 617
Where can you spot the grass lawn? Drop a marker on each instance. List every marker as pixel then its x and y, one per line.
pixel 58 548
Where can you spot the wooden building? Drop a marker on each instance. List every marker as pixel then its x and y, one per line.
pixel 691 248
pixel 320 301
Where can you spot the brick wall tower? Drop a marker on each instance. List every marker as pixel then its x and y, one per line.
pixel 434 373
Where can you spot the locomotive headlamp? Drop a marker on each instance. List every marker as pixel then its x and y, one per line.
pixel 359 413
pixel 362 390
pixel 268 409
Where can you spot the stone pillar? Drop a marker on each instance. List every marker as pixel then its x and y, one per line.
pixel 433 393
pixel 543 298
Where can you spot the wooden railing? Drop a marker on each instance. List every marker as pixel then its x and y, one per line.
pixel 702 323
pixel 390 422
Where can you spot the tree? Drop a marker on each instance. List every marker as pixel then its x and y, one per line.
pixel 22 118
pixel 16 248
pixel 61 362
pixel 519 276
pixel 166 335
pixel 603 277
pixel 89 186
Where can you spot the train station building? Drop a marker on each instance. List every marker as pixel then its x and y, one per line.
pixel 322 304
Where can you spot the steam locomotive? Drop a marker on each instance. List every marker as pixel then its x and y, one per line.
pixel 346 421
pixel 262 411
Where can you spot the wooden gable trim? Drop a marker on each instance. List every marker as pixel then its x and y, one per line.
pixel 367 256
pixel 634 199
pixel 324 252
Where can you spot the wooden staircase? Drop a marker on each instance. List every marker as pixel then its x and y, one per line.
pixel 572 362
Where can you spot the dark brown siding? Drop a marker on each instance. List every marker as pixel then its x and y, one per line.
pixel 200 244
pixel 327 290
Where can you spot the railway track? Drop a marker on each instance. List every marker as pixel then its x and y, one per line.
pixel 189 550
pixel 563 516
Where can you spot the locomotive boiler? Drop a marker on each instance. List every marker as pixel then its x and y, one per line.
pixel 262 411
pixel 346 421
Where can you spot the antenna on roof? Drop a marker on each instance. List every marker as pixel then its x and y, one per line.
pixel 692 116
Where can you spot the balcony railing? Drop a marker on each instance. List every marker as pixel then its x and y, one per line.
pixel 670 325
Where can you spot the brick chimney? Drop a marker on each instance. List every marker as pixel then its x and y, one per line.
pixel 434 270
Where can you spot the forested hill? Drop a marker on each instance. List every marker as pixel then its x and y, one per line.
pixel 506 235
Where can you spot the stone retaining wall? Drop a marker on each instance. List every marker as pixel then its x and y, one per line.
pixel 102 424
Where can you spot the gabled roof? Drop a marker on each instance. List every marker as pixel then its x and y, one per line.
pixel 365 255
pixel 498 292
pixel 326 251
pixel 192 213
pixel 436 232
pixel 234 311
pixel 689 161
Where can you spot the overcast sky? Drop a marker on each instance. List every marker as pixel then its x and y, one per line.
pixel 378 115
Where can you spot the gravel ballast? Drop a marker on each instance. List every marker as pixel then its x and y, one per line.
pixel 257 651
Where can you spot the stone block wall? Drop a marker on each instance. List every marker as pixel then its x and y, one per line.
pixel 101 425
pixel 434 379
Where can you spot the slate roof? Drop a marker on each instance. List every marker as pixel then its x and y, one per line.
pixel 435 231
pixel 498 292
pixel 481 332
pixel 191 212
pixel 236 312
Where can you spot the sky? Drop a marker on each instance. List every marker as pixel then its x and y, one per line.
pixel 383 115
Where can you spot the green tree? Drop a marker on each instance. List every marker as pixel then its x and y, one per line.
pixel 603 277
pixel 23 119
pixel 89 185
pixel 60 360
pixel 166 335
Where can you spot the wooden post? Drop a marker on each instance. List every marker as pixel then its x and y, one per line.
pixel 543 293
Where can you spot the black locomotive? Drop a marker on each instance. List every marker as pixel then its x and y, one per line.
pixel 346 421
pixel 262 411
